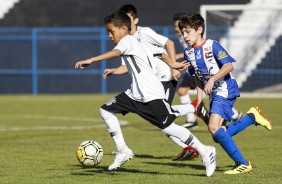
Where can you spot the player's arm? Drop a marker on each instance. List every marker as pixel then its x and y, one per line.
pixel 171 50
pixel 172 54
pixel 115 71
pixel 226 69
pixel 108 55
pixel 175 65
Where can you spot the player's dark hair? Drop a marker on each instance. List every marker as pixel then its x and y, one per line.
pixel 128 8
pixel 119 19
pixel 178 16
pixel 193 21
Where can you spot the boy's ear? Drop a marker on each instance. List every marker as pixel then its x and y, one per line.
pixel 200 30
pixel 135 21
pixel 124 29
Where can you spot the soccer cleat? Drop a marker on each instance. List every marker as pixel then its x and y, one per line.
pixel 188 153
pixel 121 157
pixel 240 169
pixel 240 115
pixel 260 119
pixel 201 111
pixel 193 125
pixel 209 160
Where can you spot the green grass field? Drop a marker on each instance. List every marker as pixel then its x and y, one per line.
pixel 39 136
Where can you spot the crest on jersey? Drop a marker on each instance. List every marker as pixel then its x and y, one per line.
pixel 111 101
pixel 222 54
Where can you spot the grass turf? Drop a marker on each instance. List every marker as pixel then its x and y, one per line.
pixel 39 136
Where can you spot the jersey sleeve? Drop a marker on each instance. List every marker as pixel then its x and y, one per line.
pixel 221 54
pixel 153 37
pixel 123 46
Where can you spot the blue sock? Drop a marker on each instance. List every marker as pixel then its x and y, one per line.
pixel 240 125
pixel 229 146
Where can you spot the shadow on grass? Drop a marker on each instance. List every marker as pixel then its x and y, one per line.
pixel 152 157
pixel 177 164
pixel 104 170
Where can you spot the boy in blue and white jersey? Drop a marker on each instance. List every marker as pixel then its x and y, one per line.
pixel 212 65
pixel 205 64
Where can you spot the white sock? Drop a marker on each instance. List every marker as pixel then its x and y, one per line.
pixel 191 117
pixel 113 128
pixel 236 113
pixel 178 141
pixel 183 109
pixel 185 136
pixel 185 99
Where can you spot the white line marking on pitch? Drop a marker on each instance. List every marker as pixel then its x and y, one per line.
pixel 22 128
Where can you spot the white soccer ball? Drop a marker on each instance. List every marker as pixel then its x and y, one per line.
pixel 89 153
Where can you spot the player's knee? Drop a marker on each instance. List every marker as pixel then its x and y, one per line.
pixel 182 91
pixel 212 128
pixel 105 114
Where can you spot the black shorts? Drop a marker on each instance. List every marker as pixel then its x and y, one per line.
pixel 157 112
pixel 187 81
pixel 170 88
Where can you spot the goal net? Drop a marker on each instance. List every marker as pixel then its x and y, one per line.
pixel 252 35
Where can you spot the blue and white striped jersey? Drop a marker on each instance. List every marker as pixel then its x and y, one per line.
pixel 206 60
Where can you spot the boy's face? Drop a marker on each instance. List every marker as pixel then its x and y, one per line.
pixel 176 28
pixel 191 36
pixel 116 33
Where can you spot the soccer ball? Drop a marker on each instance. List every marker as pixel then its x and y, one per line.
pixel 89 153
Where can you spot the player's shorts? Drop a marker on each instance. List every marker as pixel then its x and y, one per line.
pixel 170 88
pixel 187 81
pixel 222 106
pixel 157 112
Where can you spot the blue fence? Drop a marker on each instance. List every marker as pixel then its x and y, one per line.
pixel 41 60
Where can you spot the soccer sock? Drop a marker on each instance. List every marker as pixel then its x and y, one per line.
pixel 229 146
pixel 113 128
pixel 185 99
pixel 185 136
pixel 240 125
pixel 236 113
pixel 183 109
pixel 178 141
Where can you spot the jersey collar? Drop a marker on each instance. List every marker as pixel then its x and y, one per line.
pixel 195 47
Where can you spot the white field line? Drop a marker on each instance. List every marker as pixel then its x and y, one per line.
pixel 64 118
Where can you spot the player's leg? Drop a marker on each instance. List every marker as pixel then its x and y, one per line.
pixel 188 152
pixel 119 104
pixel 253 117
pixel 221 109
pixel 161 115
pixel 207 152
pixel 185 85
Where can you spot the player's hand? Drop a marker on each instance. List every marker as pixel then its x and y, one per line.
pixel 107 72
pixel 82 64
pixel 175 74
pixel 209 86
pixel 182 65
